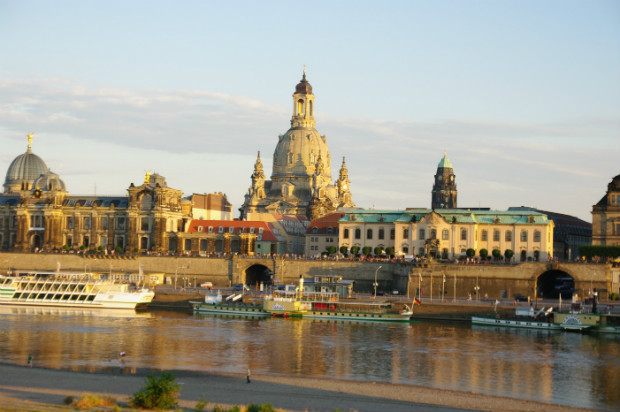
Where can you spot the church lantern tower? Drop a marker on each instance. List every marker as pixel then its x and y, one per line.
pixel 444 190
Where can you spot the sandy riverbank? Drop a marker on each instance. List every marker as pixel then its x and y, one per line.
pixel 38 389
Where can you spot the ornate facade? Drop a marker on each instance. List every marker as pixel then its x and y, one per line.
pixel 301 182
pixel 606 216
pixel 37 213
pixel 444 188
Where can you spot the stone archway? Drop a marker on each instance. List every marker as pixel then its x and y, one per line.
pixel 35 242
pixel 552 283
pixel 257 274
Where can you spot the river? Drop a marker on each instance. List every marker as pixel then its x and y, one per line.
pixel 557 367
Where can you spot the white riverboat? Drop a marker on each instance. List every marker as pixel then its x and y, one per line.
pixel 232 305
pixel 62 289
pixel 524 318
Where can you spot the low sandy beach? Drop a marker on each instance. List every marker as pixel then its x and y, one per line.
pixel 38 389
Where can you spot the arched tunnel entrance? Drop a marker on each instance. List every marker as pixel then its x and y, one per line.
pixel 552 283
pixel 257 274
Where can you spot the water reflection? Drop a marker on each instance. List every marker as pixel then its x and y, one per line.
pixel 558 367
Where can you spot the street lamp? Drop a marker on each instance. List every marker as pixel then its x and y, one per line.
pixel 376 284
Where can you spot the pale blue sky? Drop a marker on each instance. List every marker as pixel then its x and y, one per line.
pixel 524 95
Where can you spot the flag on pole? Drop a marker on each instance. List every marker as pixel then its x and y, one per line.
pixel 416 301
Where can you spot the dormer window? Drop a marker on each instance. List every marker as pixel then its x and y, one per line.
pixel 210 229
pixel 231 230
pixel 200 228
pixel 240 230
pixel 220 229
pixel 260 230
pixel 251 230
pixel 315 230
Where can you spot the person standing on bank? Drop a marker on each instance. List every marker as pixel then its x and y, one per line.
pixel 249 374
pixel 30 361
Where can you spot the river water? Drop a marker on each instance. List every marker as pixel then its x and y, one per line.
pixel 558 367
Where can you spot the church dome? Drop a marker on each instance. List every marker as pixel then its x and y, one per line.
pixel 23 171
pixel 49 181
pixel 303 86
pixel 298 151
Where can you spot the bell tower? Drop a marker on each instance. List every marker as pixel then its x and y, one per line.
pixel 444 190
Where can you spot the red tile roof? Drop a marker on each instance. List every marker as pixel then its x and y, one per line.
pixel 266 235
pixel 325 222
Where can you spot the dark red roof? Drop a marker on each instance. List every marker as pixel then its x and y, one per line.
pixel 237 225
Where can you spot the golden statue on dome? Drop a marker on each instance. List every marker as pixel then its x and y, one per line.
pixel 30 140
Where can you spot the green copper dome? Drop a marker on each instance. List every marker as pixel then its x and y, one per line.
pixel 445 163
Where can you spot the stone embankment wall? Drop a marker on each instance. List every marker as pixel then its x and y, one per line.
pixel 494 281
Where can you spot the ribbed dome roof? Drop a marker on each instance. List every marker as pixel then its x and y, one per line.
pixel 49 181
pixel 25 169
pixel 303 86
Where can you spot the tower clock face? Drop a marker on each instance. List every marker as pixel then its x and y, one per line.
pixel 37 193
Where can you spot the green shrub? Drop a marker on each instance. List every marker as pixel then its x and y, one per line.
pixel 159 392
pixel 265 407
pixel 613 296
pixel 366 250
pixel 355 250
pixel 483 254
pixel 344 250
pixel 201 404
pixel 68 400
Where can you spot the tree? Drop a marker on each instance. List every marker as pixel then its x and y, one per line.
pixel 378 251
pixel 355 250
pixel 508 254
pixel 389 251
pixel 496 254
pixel 470 253
pixel 590 251
pixel 331 249
pixel 344 250
pixel 366 250
pixel 483 254
pixel 160 392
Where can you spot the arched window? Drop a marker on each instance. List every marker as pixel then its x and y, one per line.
pixel 346 234
pixel 300 107
pixel 381 233
pixel 433 234
pixel 369 234
pixel 358 233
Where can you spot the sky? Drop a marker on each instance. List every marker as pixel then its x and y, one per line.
pixel 523 96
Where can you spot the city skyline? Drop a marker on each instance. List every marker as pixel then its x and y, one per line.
pixel 525 98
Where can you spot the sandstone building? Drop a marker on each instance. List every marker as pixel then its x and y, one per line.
pixel 38 213
pixel 301 181
pixel 606 216
pixel 449 232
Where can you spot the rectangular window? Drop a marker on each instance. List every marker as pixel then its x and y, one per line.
pixel 346 234
pixel 220 229
pixel 120 224
pixel 358 233
pixel 524 236
pixel 463 234
pixel 406 233
pixel 537 236
pixel 69 222
pixel 445 234
pixel 188 244
pixel 381 233
pixel 422 234
pixel 144 224
pixel 484 235
pixel 508 236
pixel 105 222
pixel 496 235
pixel 87 222
pixel 392 234
pixel 369 234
